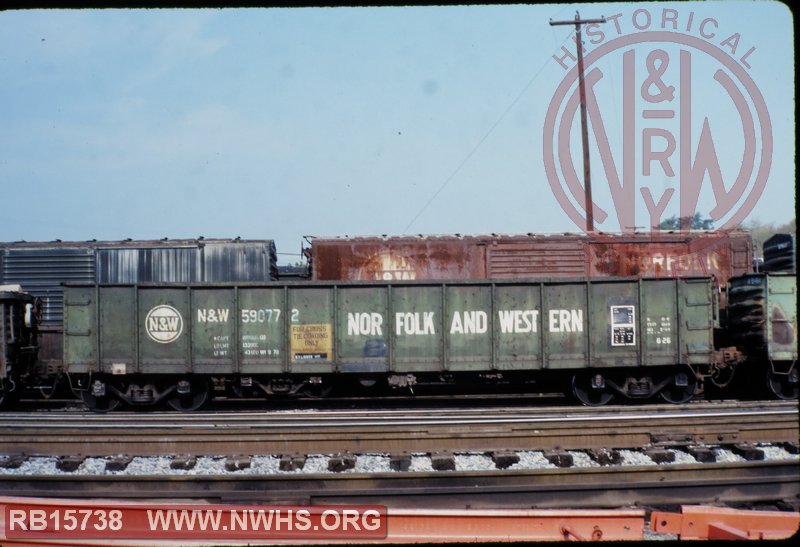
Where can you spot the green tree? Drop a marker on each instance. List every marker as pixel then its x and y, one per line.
pixel 762 231
pixel 696 222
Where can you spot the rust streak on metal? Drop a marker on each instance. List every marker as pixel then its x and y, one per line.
pixel 657 254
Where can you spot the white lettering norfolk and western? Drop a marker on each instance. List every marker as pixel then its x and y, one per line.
pixel 518 321
pixel 469 322
pixel 566 320
pixel 466 322
pixel 364 324
pixel 414 323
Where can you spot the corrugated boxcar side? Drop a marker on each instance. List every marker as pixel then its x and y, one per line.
pixel 239 262
pixel 188 263
pixel 718 254
pixel 399 327
pixel 143 265
pixel 556 256
pixel 41 271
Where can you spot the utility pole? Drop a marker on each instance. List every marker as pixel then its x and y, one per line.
pixel 587 178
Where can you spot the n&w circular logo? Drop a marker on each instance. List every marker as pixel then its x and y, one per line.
pixel 163 324
pixel 676 122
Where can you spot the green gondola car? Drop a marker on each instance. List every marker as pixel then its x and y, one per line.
pixel 601 339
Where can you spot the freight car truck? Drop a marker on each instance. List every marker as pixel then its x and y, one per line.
pixel 600 339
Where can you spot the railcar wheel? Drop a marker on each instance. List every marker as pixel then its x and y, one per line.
pixel 681 388
pixel 105 403
pixel 783 386
pixel 189 395
pixel 316 391
pixel 589 391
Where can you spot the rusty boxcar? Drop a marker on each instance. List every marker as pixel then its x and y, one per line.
pixel 719 254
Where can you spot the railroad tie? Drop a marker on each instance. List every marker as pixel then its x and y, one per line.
pixel 118 462
pixel 559 458
pixel 660 455
pixel 400 461
pixel 292 462
pixel 443 461
pixel 12 461
pixel 69 464
pixel 791 448
pixel 341 462
pixel 702 454
pixel 504 459
pixel 183 462
pixel 235 463
pixel 748 452
pixel 605 456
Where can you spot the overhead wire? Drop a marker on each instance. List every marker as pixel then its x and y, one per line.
pixel 482 140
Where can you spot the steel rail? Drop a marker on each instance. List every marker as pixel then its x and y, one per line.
pixel 367 421
pixel 265 434
pixel 424 414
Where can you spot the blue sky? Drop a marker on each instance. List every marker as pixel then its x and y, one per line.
pixel 279 123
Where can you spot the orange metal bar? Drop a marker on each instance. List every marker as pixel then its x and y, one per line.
pixel 425 525
pixel 430 526
pixel 704 522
